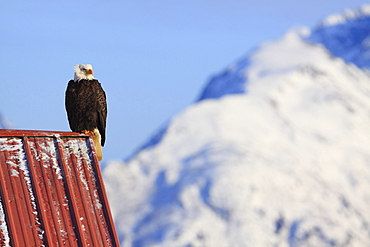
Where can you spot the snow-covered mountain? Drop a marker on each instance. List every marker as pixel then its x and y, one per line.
pixel 276 152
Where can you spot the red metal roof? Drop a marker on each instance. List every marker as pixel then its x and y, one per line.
pixel 51 190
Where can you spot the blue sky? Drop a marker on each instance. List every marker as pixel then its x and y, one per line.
pixel 152 57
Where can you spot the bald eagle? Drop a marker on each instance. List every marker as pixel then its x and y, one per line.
pixel 86 106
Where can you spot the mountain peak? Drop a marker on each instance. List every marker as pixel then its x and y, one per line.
pixel 347 15
pixel 259 62
pixel 346 36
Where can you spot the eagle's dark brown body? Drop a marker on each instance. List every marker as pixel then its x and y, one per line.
pixel 86 106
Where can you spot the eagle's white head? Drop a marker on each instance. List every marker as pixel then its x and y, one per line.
pixel 83 71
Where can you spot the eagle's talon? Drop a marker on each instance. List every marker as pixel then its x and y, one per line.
pixel 88 132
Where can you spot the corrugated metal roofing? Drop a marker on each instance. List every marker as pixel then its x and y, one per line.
pixel 51 190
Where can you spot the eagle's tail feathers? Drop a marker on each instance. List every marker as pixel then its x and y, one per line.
pixel 97 144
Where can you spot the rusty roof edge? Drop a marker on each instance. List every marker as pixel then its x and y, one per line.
pixel 104 198
pixel 20 133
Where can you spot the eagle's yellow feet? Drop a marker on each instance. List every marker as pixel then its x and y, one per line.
pixel 88 132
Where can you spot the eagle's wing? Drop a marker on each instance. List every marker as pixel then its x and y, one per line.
pixel 70 102
pixel 102 110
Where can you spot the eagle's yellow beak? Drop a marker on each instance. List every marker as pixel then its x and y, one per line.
pixel 90 72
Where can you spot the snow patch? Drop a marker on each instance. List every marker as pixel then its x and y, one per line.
pixel 5 241
pixel 17 160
